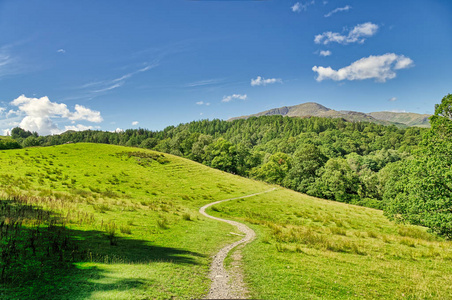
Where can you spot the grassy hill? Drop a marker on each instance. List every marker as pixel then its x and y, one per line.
pixel 162 247
pixel 122 223
pixel 410 119
pixel 312 109
pixel 309 248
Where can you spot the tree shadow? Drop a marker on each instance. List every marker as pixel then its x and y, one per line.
pixel 40 258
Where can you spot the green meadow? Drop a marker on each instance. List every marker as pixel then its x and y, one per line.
pixel 94 221
pixel 130 214
pixel 310 248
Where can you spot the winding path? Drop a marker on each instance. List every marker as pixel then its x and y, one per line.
pixel 222 287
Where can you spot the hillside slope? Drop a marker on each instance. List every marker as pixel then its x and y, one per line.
pixel 132 216
pixel 409 119
pixel 312 109
pixel 148 201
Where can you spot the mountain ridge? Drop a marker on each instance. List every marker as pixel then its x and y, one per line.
pixel 313 109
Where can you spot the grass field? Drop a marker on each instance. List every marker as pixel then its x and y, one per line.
pixel 123 223
pixel 310 248
pixel 144 203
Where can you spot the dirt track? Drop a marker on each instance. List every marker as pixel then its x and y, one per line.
pixel 224 285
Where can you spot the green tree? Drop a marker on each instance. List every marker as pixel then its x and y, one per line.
pixel 337 181
pixel 9 144
pixel 421 191
pixel 307 159
pixel 31 141
pixel 275 169
pixel 224 155
pixel 17 133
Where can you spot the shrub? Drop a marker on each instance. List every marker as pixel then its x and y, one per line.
pixel 110 230
pixel 162 223
pixel 125 229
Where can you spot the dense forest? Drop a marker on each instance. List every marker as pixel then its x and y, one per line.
pixel 367 164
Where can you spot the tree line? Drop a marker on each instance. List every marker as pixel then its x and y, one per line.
pixel 361 163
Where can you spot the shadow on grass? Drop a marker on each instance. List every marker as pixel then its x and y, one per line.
pixel 51 261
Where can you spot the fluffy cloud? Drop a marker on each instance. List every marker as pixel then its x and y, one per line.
pixel 381 68
pixel 299 6
pixel 262 81
pixel 2 109
pixel 41 112
pixel 234 96
pixel 134 123
pixel 392 99
pixel 83 113
pixel 358 34
pixel 345 8
pixel 325 53
pixel 296 7
pixel 202 103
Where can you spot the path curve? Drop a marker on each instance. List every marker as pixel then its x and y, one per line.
pixel 221 288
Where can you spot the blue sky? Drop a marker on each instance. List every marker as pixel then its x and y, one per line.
pixel 149 64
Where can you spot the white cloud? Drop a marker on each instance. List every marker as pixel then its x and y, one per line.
pixel 117 130
pixel 299 6
pixel 203 82
pixel 2 109
pixel 78 127
pixel 97 87
pixel 12 112
pixel 111 87
pixel 325 53
pixel 358 34
pixel 202 103
pixel 262 81
pixel 345 8
pixel 296 7
pixel 398 111
pixel 392 99
pixel 83 113
pixel 381 68
pixel 8 63
pixel 135 123
pixel 61 51
pixel 41 112
pixel 234 96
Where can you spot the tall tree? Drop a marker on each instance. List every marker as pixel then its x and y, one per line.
pixel 421 193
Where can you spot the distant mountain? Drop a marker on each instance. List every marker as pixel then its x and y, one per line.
pixel 409 119
pixel 312 109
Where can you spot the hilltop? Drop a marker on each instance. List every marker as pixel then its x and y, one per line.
pixel 312 109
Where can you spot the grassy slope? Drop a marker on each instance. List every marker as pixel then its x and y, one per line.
pixel 151 262
pixel 306 247
pixel 318 249
pixel 410 119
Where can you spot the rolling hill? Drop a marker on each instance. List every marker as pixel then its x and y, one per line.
pixel 409 119
pixel 110 222
pixel 312 109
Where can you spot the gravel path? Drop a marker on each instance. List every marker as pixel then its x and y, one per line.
pixel 224 285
